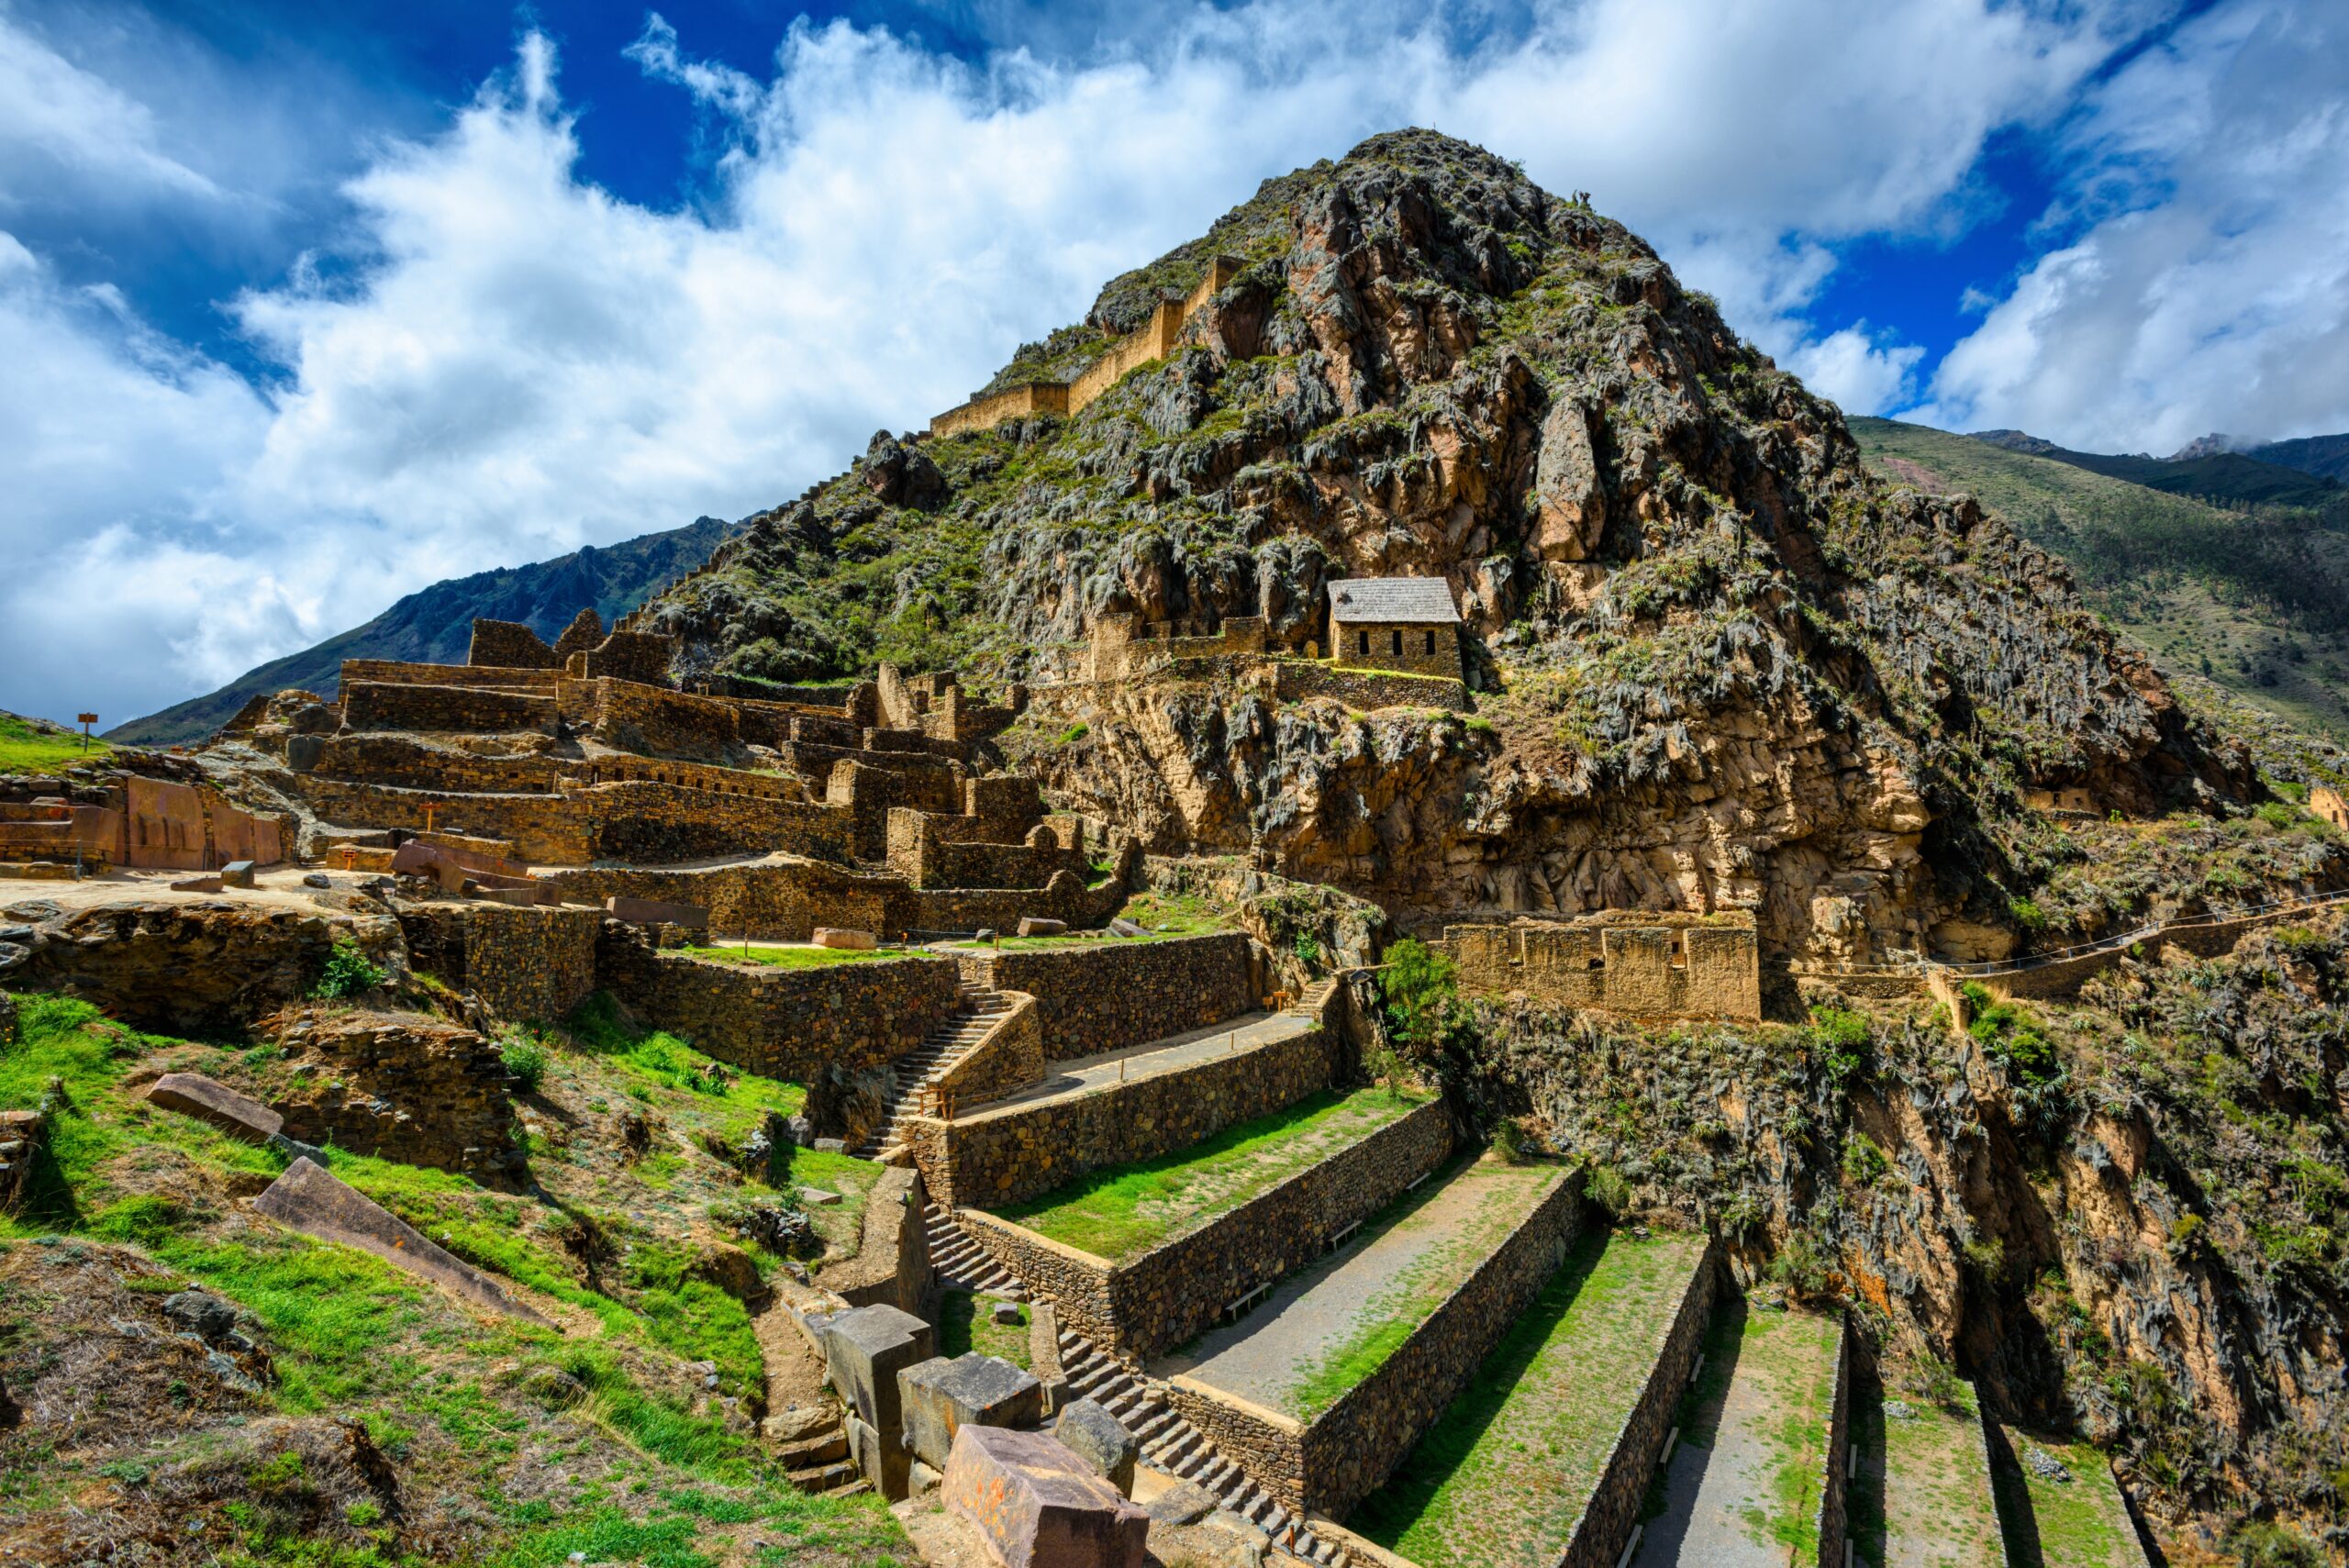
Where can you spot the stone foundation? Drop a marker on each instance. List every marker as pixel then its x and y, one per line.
pixel 1111 993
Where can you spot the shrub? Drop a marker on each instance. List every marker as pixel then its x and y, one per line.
pixel 1308 949
pixel 526 1059
pixel 1509 1141
pixel 1074 733
pixel 348 972
pixel 1419 984
pixel 2028 917
pixel 1864 1162
pixel 1605 1187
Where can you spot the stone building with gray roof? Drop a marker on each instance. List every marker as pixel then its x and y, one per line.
pixel 1394 623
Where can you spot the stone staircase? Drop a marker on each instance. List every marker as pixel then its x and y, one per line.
pixel 822 1464
pixel 1169 1443
pixel 959 1264
pixel 916 1074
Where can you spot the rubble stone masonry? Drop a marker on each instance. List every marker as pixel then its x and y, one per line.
pixel 1107 994
pixel 1156 1300
pixel 783 1023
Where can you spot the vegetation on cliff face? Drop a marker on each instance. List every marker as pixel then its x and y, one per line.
pixel 2123 1214
pixel 2257 602
pixel 1722 663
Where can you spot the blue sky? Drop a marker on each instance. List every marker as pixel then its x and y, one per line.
pixel 303 307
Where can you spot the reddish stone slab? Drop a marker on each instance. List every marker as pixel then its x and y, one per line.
pixel 197 884
pixel 652 911
pixel 1039 1505
pixel 307 1199
pixel 193 1093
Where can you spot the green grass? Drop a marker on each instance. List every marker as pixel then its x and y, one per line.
pixel 29 748
pixel 1388 1318
pixel 791 958
pixel 1934 1504
pixel 1503 1476
pixel 966 1323
pixel 1176 915
pixel 2050 1525
pixel 1117 1214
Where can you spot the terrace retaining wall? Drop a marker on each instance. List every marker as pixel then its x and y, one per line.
pixel 1112 994
pixel 793 1023
pixel 373 704
pixel 1333 1461
pixel 1016 1152
pixel 1162 1298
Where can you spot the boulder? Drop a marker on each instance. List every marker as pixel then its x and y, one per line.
pixel 192 1094
pixel 197 884
pixel 1036 1505
pixel 237 873
pixel 842 938
pixel 940 1398
pixel 1088 1430
pixel 307 1199
pixel 20 1136
pixel 1121 927
pixel 1037 926
pixel 865 1349
pixel 653 912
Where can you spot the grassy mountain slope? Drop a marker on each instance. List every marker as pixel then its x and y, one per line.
pixel 2259 606
pixel 433 625
pixel 2325 456
pixel 2225 479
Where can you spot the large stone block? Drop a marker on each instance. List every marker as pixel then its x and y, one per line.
pixel 941 1397
pixel 842 938
pixel 1088 1430
pixel 865 1349
pixel 192 1094
pixel 307 1199
pixel 1036 1504
pixel 653 912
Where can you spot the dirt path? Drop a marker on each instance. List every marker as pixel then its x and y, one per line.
pixel 1157 1056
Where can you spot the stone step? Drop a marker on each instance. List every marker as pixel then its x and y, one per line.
pixel 824 1478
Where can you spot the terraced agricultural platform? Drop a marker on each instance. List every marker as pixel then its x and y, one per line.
pixel 1920 1493
pixel 1512 1475
pixel 1325 1387
pixel 1158 1057
pixel 1746 1482
pixel 2074 1518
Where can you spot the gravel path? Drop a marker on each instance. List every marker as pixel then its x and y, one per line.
pixel 1157 1056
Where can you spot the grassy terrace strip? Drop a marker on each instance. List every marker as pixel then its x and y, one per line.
pixel 1503 1477
pixel 791 957
pixel 27 746
pixel 1119 1214
pixel 966 1323
pixel 2050 1524
pixel 1923 1499
pixel 1744 1485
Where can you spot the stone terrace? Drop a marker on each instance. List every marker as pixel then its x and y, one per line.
pixel 1926 1472
pixel 1757 1479
pixel 2083 1523
pixel 1545 1458
pixel 1319 1392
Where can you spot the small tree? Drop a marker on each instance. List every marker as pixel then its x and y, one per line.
pixel 348 972
pixel 1422 986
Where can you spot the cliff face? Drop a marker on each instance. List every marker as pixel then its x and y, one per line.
pixel 1719 664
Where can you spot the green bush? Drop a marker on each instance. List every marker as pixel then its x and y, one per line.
pixel 1864 1162
pixel 526 1059
pixel 1420 985
pixel 1074 733
pixel 2028 917
pixel 1509 1141
pixel 348 972
pixel 1605 1187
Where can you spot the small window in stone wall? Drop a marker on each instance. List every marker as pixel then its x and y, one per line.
pixel 1364 645
pixel 1395 642
pixel 1680 951
pixel 1430 649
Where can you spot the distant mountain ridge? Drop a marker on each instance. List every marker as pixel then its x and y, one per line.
pixel 433 625
pixel 2206 469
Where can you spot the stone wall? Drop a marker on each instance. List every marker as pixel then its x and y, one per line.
pixel 1107 994
pixel 635 716
pixel 787 902
pixel 1016 1152
pixel 372 705
pixel 640 657
pixel 398 673
pixel 791 1024
pixel 985 413
pixel 529 964
pixel 1349 1449
pixel 1009 1058
pixel 1829 1520
pixel 1294 680
pixel 891 1267
pixel 928 850
pixel 406 762
pixel 1615 1503
pixel 398 1086
pixel 147 823
pixel 508 645
pixel 1645 964
pixel 1163 1298
pixel 1414 648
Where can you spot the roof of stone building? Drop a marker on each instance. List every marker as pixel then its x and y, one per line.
pixel 1415 599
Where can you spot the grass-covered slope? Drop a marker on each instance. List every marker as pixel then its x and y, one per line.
pixel 356 1417
pixel 2236 481
pixel 37 746
pixel 2258 603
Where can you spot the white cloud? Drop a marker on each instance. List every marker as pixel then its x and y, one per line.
pixel 499 361
pixel 58 118
pixel 2205 282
